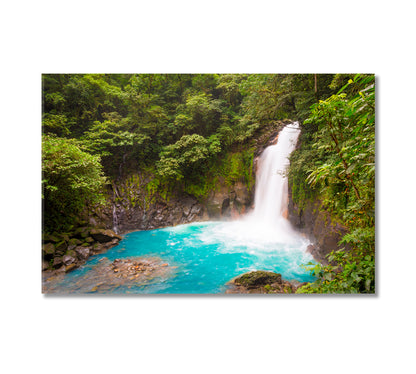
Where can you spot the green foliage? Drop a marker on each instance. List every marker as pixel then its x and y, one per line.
pixel 238 167
pixel 229 85
pixel 270 97
pixel 200 114
pixel 55 124
pixel 348 272
pixel 188 157
pixel 71 178
pixel 346 136
pixel 302 160
pixel 337 162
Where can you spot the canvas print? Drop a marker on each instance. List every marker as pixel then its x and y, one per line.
pixel 208 184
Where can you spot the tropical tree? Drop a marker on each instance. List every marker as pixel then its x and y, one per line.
pixel 71 180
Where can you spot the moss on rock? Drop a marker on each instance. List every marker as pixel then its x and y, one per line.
pixel 258 278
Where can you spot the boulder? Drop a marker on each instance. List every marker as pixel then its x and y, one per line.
pixel 196 209
pixel 74 241
pixel 82 252
pixel 48 249
pixel 82 232
pixel 64 237
pixel 71 247
pixel 51 238
pixel 71 253
pixel 70 267
pixel 57 262
pixel 61 247
pixel 68 260
pixel 258 278
pixel 104 236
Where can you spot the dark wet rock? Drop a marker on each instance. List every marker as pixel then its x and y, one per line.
pixel 258 278
pixel 160 212
pixel 101 247
pixel 242 195
pixel 60 270
pixel 70 267
pixel 61 248
pixel 48 249
pixel 51 238
pixel 228 201
pixel 68 260
pixel 104 236
pixel 71 247
pixel 64 237
pixel 57 262
pixel 71 253
pixel 261 282
pixel 82 252
pixel 74 241
pixel 310 248
pixel 317 224
pixel 196 209
pixel 45 265
pixel 82 232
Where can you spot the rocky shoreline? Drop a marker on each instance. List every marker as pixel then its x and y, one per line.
pixel 64 252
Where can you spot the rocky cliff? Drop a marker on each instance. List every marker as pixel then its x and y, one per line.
pixel 318 225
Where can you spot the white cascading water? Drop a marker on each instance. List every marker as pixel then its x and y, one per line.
pixel 271 197
pixel 267 223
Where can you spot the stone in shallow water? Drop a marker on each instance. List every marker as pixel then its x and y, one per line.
pixel 70 267
pixel 104 236
pixel 260 282
pixel 258 278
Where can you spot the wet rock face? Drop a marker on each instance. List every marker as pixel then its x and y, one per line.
pixel 228 201
pixel 159 214
pixel 318 226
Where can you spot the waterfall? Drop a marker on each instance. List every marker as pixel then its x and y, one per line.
pixel 267 227
pixel 115 219
pixel 115 216
pixel 271 194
